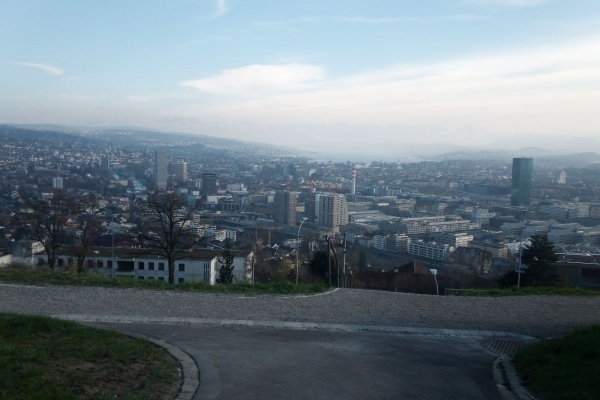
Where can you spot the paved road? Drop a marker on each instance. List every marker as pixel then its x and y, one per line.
pixel 270 364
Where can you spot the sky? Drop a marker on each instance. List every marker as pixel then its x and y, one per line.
pixel 342 76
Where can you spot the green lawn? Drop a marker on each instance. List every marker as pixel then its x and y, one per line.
pixel 88 279
pixel 565 368
pixel 530 290
pixel 43 358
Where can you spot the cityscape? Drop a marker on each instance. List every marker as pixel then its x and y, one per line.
pixel 468 216
pixel 302 200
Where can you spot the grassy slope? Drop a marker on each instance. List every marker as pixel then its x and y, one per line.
pixel 49 278
pixel 530 290
pixel 565 368
pixel 43 358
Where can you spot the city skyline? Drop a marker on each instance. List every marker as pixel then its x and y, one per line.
pixel 309 75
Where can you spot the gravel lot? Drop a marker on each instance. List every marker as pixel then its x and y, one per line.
pixel 531 315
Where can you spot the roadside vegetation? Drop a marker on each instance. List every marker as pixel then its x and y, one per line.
pixel 42 278
pixel 44 358
pixel 529 291
pixel 565 368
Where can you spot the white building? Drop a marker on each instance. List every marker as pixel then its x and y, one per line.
pixel 430 250
pixel 379 242
pixel 200 266
pixel 453 239
pixel 57 183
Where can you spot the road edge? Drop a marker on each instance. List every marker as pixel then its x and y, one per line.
pixel 516 391
pixel 132 319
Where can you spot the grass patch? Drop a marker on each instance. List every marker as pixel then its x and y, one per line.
pixel 41 278
pixel 530 290
pixel 44 358
pixel 565 368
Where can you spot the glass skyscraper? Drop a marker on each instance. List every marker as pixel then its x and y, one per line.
pixel 522 171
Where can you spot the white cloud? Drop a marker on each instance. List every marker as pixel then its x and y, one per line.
pixel 259 77
pixel 44 67
pixel 547 89
pixel 221 8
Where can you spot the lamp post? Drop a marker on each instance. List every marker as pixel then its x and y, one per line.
pixel 520 251
pixel 298 247
pixel 344 261
pixel 434 273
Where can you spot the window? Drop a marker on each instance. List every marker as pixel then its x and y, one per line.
pixel 181 280
pixel 151 266
pixel 90 263
pixel 160 278
pixel 206 273
pixel 100 263
pixel 61 262
pixel 151 277
pixel 181 267
pixel 141 278
pixel 141 265
pixel 161 266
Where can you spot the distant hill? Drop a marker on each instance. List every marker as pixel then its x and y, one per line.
pixel 572 160
pixel 540 156
pixel 138 137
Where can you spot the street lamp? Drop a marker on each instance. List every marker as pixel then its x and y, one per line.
pixel 434 273
pixel 520 251
pixel 297 247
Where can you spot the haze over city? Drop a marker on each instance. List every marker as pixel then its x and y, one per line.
pixel 334 77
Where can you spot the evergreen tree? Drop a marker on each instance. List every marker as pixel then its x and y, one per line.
pixel 362 260
pixel 538 258
pixel 319 265
pixel 226 270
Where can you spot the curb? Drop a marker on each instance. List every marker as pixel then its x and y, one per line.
pixel 126 319
pixel 516 391
pixel 189 369
pixel 285 296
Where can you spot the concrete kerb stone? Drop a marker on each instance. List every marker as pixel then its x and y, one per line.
pixel 516 390
pixel 289 296
pixel 295 325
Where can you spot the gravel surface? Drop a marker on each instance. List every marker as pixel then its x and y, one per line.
pixel 540 316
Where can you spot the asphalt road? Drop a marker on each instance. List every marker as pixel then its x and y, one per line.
pixel 269 364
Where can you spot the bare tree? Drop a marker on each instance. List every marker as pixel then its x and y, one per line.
pixel 89 223
pixel 46 222
pixel 166 228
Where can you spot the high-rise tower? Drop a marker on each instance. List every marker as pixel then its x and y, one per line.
pixel 285 207
pixel 522 172
pixel 160 169
pixel 209 183
pixel 332 210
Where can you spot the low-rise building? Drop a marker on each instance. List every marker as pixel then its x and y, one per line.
pixel 432 250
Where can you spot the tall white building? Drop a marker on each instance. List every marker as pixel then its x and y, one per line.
pixel 57 183
pixel 160 169
pixel 179 169
pixel 332 210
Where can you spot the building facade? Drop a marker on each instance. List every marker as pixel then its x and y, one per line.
pixel 160 169
pixel 209 183
pixel 522 173
pixel 285 207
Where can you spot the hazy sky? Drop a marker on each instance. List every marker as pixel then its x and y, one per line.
pixel 343 75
